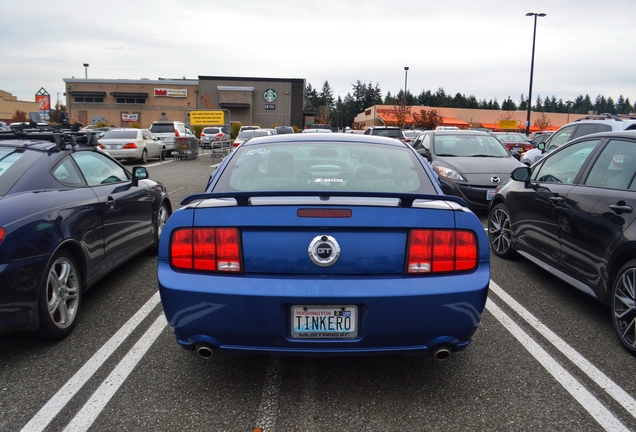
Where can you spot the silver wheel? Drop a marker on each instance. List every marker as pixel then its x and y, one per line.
pixel 60 297
pixel 623 304
pixel 499 231
pixel 162 218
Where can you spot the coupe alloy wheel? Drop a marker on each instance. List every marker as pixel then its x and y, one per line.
pixel 624 306
pixel 499 231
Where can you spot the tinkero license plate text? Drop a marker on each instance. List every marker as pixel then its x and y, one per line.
pixel 328 321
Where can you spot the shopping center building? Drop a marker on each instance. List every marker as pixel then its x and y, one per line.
pixel 122 103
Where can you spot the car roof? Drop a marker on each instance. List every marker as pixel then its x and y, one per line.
pixel 326 137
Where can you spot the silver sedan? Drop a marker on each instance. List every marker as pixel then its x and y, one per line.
pixel 129 143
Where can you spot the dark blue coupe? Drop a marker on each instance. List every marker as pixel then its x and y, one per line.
pixel 323 245
pixel 69 214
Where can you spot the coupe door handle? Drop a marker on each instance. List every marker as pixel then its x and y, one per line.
pixel 110 202
pixel 618 209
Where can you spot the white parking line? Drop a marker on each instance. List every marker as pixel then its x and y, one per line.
pixel 587 400
pixel 91 409
pixel 268 409
pixel 603 381
pixel 77 381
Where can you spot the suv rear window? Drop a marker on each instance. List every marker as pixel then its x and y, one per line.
pixel 211 130
pixel 162 128
pixel 393 133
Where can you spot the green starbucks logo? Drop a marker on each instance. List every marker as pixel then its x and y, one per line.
pixel 270 95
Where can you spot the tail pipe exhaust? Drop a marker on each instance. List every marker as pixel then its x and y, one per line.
pixel 441 353
pixel 204 351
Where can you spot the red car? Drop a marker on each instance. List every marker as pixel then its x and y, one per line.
pixel 514 141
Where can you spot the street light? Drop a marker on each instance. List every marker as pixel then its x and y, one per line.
pixel 534 35
pixel 568 103
pixel 406 71
pixel 86 70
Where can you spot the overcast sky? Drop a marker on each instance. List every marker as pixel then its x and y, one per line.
pixel 481 48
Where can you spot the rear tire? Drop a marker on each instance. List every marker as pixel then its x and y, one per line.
pixel 60 297
pixel 144 157
pixel 623 306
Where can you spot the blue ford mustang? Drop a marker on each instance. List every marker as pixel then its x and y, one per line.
pixel 322 245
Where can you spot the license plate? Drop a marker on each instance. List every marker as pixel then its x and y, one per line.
pixel 324 321
pixel 515 148
pixel 490 194
pixel 112 147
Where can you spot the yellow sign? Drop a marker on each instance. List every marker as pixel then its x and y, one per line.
pixel 207 117
pixel 507 124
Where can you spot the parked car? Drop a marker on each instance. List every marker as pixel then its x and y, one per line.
pixel 513 141
pixel 323 244
pixel 386 131
pixel 572 213
pixel 320 126
pixel 536 134
pixel 470 164
pixel 215 137
pixel 247 127
pixel 578 128
pixel 316 131
pixel 167 131
pixel 284 129
pixel 410 134
pixel 130 143
pixel 69 215
pixel 541 137
pixel 250 133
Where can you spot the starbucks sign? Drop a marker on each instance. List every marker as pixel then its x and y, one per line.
pixel 270 95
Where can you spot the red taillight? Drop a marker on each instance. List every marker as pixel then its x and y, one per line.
pixel 236 144
pixel 432 251
pixel 202 135
pixel 176 132
pixel 219 135
pixel 208 249
pixel 130 146
pixel 101 146
pixel 3 233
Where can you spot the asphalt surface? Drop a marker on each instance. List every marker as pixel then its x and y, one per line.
pixel 544 358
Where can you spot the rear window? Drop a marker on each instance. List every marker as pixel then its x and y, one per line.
pixel 392 133
pixel 13 164
pixel 211 130
pixel 162 128
pixel 325 167
pixel 119 134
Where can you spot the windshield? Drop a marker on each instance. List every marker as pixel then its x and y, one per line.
pixel 317 166
pixel 469 146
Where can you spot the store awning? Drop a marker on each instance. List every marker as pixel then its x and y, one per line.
pixel 451 121
pixel 87 93
pixel 129 94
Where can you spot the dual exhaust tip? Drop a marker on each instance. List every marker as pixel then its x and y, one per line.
pixel 206 352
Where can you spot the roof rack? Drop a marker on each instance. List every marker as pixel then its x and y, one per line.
pixel 61 140
pixel 605 116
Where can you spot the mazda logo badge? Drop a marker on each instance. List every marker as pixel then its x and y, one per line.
pixel 324 251
pixel 495 179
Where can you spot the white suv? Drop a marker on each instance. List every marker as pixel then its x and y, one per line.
pixel 166 131
pixel 584 126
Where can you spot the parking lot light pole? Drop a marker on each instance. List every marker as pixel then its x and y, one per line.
pixel 85 70
pixel 534 35
pixel 406 71
pixel 568 103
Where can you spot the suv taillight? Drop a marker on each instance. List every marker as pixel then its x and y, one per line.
pixel 206 249
pixel 176 132
pixel 433 251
